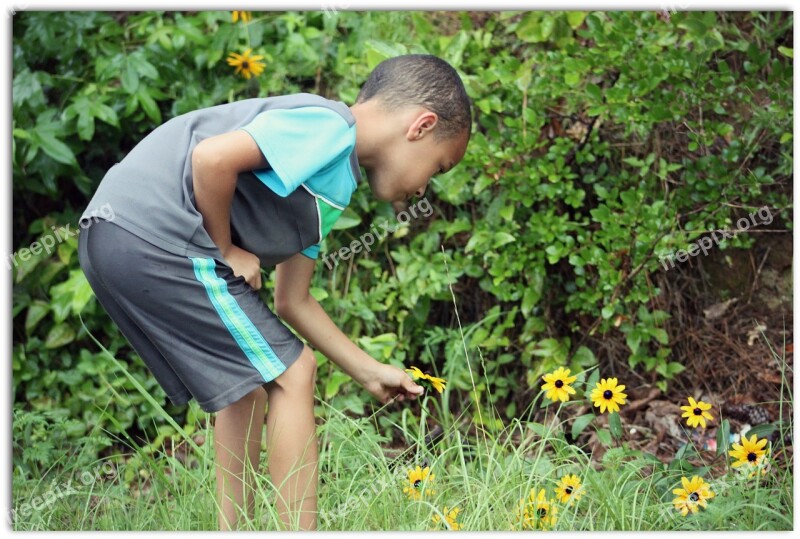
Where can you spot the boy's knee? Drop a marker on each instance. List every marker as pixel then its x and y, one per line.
pixel 300 375
pixel 251 399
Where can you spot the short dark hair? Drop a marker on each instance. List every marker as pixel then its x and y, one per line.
pixel 424 80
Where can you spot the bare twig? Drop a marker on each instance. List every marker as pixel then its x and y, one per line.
pixel 758 272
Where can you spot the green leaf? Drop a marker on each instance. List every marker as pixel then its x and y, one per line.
pixel 142 66
pixel 335 381
pixel 105 113
pixel 572 78
pixel 348 219
pixel 693 26
pixel 762 430
pixel 547 25
pixel 540 429
pixel 575 18
pixel 530 298
pixel 685 451
pixel 535 27
pixel 591 383
pixel 507 212
pixel 130 79
pixel 318 293
pixel 633 340
pixel 477 241
pixel 723 437
pixel 660 112
pixel 36 311
pixel 378 51
pixel 604 436
pixel 502 238
pixel 59 335
pixel 583 357
pixel 615 425
pixel 343 223
pixel 674 368
pixel 22 134
pixel 81 291
pixel 54 147
pixel 660 335
pixel 148 104
pixel 594 91
pixel 580 424
pixel 786 51
pixel 24 266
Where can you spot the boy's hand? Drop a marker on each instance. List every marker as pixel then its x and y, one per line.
pixel 244 264
pixel 386 383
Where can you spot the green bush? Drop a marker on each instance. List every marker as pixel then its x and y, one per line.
pixel 603 141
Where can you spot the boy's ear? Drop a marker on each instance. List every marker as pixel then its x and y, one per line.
pixel 423 124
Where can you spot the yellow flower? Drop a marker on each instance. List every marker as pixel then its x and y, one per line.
pixel 694 494
pixel 696 413
pixel 557 385
pixel 417 478
pixel 608 395
pixel 449 517
pixel 244 15
pixel 416 373
pixel 538 512
pixel 437 383
pixel 750 451
pixel 569 489
pixel 245 64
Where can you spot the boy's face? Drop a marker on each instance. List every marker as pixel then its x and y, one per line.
pixel 407 165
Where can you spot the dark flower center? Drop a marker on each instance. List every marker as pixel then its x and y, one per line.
pixel 752 457
pixel 541 512
pixel 607 394
pixel 559 383
pixel 694 497
pixel 245 65
pixel 568 490
pixel 698 411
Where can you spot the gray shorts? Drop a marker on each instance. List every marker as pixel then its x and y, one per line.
pixel 202 332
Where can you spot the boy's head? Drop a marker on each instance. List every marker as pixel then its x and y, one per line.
pixel 414 120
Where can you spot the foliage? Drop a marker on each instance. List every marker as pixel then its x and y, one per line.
pixel 361 484
pixel 603 141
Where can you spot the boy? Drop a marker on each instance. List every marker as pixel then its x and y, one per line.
pixel 207 199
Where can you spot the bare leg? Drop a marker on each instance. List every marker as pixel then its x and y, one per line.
pixel 292 442
pixel 237 430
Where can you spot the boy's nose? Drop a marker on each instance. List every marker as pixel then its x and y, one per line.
pixel 421 191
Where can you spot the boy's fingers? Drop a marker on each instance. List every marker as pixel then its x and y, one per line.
pixel 411 387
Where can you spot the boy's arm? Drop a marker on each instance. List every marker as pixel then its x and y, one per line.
pixel 216 164
pixel 297 306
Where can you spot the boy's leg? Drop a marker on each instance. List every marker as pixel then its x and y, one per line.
pixel 237 443
pixel 292 442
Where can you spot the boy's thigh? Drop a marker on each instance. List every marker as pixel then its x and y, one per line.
pixel 151 356
pixel 212 328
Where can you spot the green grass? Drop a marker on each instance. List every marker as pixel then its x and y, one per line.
pixel 483 471
pixel 361 488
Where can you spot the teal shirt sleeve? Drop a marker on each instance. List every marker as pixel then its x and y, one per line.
pixel 298 143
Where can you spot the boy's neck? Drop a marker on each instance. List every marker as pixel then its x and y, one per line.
pixel 373 131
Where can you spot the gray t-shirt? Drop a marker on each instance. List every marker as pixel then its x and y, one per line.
pixel 308 141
